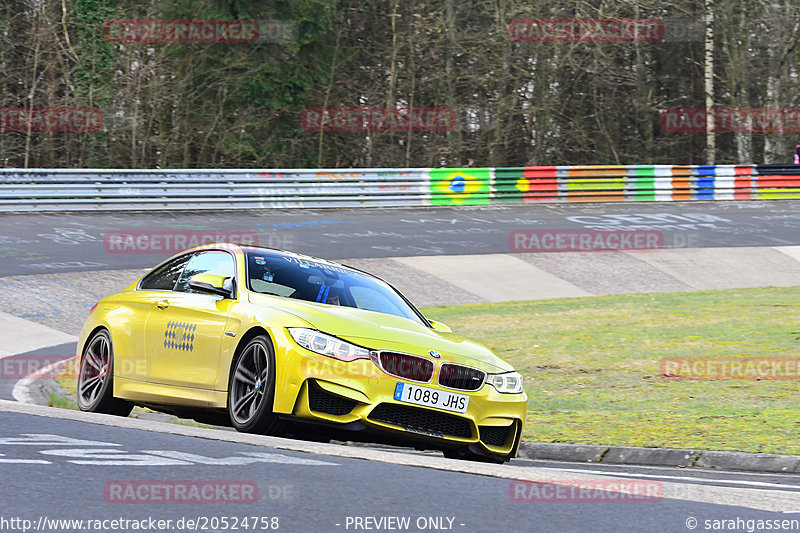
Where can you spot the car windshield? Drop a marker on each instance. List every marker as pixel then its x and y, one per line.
pixel 318 281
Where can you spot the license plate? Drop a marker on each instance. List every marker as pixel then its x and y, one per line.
pixel 440 399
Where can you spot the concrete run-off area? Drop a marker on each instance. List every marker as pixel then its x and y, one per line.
pixel 62 300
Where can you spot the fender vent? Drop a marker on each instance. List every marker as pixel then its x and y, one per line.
pixel 330 404
pixel 495 435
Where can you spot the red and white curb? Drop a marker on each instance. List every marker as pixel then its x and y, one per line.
pixel 19 336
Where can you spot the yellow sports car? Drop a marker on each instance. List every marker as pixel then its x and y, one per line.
pixel 285 344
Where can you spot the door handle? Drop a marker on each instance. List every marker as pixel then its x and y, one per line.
pixel 162 304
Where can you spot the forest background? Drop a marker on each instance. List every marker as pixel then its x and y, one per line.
pixel 515 102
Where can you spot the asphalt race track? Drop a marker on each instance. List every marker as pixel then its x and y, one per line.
pixel 42 243
pixel 82 471
pixel 59 465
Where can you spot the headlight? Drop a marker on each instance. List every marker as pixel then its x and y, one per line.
pixel 508 383
pixel 329 345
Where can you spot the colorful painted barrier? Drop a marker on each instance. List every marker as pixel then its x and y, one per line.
pixel 630 182
pixel 641 183
pixel 77 190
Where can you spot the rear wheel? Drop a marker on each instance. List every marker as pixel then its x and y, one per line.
pixel 96 378
pixel 251 389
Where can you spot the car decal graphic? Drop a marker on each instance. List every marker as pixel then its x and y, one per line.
pixel 322 296
pixel 179 335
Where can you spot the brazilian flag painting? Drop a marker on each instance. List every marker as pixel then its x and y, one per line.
pixel 460 186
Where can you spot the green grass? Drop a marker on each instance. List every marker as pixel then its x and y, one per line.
pixel 62 402
pixel 592 366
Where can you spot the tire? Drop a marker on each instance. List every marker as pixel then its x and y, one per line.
pixel 251 389
pixel 96 378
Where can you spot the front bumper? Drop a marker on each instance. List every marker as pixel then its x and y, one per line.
pixel 361 394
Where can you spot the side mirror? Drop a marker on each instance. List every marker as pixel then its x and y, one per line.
pixel 212 284
pixel 438 326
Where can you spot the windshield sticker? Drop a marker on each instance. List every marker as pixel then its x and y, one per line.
pixel 304 263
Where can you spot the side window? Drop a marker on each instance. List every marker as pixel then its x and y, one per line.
pixel 164 277
pixel 217 263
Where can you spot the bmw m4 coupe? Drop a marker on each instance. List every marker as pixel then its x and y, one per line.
pixel 285 344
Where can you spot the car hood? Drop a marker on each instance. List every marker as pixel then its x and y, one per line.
pixel 381 331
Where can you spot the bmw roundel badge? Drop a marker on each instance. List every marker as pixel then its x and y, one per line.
pixel 434 354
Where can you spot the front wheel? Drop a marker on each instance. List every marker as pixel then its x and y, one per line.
pixel 96 378
pixel 251 389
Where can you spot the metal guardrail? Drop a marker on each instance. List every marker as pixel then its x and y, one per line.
pixel 100 189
